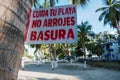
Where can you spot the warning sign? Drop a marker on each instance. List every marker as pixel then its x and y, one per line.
pixel 52 25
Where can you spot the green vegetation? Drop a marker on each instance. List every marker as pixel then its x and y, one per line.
pixel 110 13
pixel 27 55
pixel 84 30
pixel 107 65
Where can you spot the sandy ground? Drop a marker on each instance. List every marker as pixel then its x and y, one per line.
pixel 66 71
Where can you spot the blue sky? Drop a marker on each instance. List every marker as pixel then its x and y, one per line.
pixel 88 14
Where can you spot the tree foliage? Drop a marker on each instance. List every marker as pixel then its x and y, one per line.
pixel 110 14
pixel 84 29
pixel 80 2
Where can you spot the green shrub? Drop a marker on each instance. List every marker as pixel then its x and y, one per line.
pixel 27 55
pixel 108 65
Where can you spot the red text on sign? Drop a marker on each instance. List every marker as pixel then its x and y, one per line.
pixel 60 34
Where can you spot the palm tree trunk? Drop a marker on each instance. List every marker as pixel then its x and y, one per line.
pixel 13 19
pixel 84 48
pixel 54 51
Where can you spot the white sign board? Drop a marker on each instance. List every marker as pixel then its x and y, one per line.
pixel 52 25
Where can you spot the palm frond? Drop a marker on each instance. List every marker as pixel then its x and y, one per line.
pixel 109 2
pixel 53 2
pixel 106 19
pixel 111 13
pixel 116 6
pixel 102 9
pixel 81 2
pixel 57 1
pixel 89 27
pixel 102 15
pixel 35 2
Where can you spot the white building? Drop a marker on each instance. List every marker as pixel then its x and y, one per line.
pixel 111 51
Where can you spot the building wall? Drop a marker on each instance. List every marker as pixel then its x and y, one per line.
pixel 112 55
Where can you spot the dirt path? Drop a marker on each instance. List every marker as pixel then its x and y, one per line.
pixel 66 71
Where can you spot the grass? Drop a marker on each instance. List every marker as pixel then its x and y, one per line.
pixel 108 65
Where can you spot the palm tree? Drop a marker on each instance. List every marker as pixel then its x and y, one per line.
pixel 83 31
pixel 47 3
pixel 13 20
pixel 110 13
pixel 99 38
pixel 52 2
pixel 109 37
pixel 35 2
pixel 81 2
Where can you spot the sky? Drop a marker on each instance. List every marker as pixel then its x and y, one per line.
pixel 88 14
